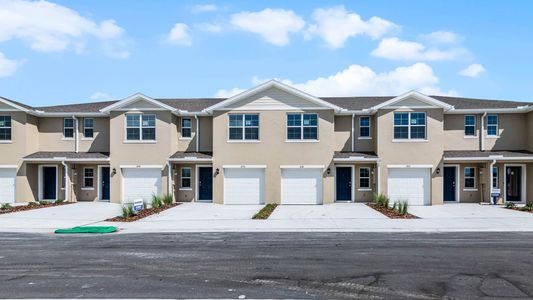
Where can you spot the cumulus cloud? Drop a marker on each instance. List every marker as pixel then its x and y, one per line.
pixel 200 8
pixel 49 27
pixel 442 37
pixel 335 25
pixel 473 70
pixel 208 27
pixel 361 80
pixel 7 66
pixel 100 96
pixel 273 25
pixel 179 35
pixel 396 49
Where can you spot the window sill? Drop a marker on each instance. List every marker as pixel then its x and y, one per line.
pixel 243 141
pixel 493 136
pixel 87 188
pixel 409 141
pixel 364 138
pixel 185 189
pixel 185 138
pixel 87 139
pixel 469 190
pixel 364 190
pixel 67 139
pixel 471 137
pixel 6 142
pixel 302 141
pixel 139 142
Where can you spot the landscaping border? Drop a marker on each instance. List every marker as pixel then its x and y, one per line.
pixel 265 212
pixel 143 213
pixel 391 213
pixel 32 206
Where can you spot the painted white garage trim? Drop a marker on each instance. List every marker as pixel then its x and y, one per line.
pixel 409 184
pixel 140 183
pixel 8 178
pixel 301 185
pixel 244 185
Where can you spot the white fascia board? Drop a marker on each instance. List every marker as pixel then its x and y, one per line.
pixel 60 159
pixel 8 166
pixel 269 84
pixel 364 112
pixel 410 166
pixel 70 114
pixel 133 98
pixel 141 166
pixel 415 95
pixel 520 109
pixel 190 159
pixel 489 158
pixel 356 159
pixel 187 113
pixel 302 166
pixel 244 166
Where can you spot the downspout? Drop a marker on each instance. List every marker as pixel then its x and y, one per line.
pixel 353 132
pixel 491 179
pixel 197 133
pixel 76 139
pixel 482 133
pixel 66 180
pixel 169 175
pixel 378 165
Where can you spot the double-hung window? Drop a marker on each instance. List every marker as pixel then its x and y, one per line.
pixel 244 127
pixel 364 127
pixel 68 128
pixel 186 178
pixel 364 178
pixel 410 125
pixel 470 125
pixel 494 177
pixel 302 126
pixel 88 128
pixel 5 128
pixel 492 125
pixel 470 177
pixel 88 177
pixel 140 127
pixel 186 128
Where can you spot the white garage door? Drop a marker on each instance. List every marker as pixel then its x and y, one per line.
pixel 7 185
pixel 140 183
pixel 301 186
pixel 409 184
pixel 244 186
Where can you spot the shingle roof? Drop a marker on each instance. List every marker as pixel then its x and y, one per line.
pixel 80 107
pixel 340 154
pixel 472 103
pixel 193 155
pixel 469 154
pixel 17 103
pixel 68 155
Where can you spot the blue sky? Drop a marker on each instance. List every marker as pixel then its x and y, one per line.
pixel 78 51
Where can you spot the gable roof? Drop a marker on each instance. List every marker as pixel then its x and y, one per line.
pixel 273 84
pixel 15 104
pixel 134 98
pixel 414 95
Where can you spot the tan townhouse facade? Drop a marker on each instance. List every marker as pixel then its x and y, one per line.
pixel 270 144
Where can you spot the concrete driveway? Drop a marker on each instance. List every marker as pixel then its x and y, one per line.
pixel 65 216
pixel 329 211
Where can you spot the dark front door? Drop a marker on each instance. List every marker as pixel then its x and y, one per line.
pixel 343 181
pixel 450 179
pixel 49 183
pixel 105 183
pixel 513 188
pixel 205 183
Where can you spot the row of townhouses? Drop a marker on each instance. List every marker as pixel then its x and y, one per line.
pixel 270 144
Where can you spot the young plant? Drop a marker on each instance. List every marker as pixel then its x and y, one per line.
pixel 42 202
pixel 127 210
pixel 156 201
pixel 167 199
pixel 59 201
pixel 6 206
pixel 403 209
pixel 32 204
pixel 510 205
pixel 381 200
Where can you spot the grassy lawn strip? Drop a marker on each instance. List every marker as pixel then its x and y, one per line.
pixel 265 212
pixel 6 208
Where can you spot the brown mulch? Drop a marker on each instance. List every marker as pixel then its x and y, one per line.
pixel 28 207
pixel 519 209
pixel 389 212
pixel 143 213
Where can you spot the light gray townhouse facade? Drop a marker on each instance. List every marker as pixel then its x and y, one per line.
pixel 270 144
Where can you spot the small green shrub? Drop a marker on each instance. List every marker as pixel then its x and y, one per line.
pixel 167 199
pixel 510 205
pixel 156 201
pixel 42 202
pixel 403 209
pixel 59 201
pixel 32 204
pixel 6 206
pixel 127 210
pixel 527 208
pixel 381 200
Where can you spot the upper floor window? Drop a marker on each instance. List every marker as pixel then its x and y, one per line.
pixel 244 127
pixel 492 125
pixel 364 126
pixel 68 128
pixel 5 128
pixel 470 177
pixel 88 177
pixel 410 125
pixel 470 125
pixel 302 127
pixel 186 127
pixel 88 128
pixel 494 177
pixel 140 127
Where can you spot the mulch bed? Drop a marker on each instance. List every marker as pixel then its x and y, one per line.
pixel 143 213
pixel 265 212
pixel 389 212
pixel 28 207
pixel 519 209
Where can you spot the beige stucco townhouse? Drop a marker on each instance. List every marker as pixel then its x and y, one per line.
pixel 270 144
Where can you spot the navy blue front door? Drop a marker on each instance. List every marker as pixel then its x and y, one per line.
pixel 105 183
pixel 49 183
pixel 450 178
pixel 343 181
pixel 513 188
pixel 205 183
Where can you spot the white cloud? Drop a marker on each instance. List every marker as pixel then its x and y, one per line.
pixel 200 8
pixel 442 37
pixel 396 49
pixel 7 66
pixel 360 80
pixel 209 27
pixel 273 25
pixel 49 27
pixel 335 25
pixel 179 35
pixel 100 96
pixel 474 70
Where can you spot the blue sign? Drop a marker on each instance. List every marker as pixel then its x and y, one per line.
pixel 138 205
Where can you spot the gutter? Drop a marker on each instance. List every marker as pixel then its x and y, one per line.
pixel 169 175
pixel 482 133
pixel 66 180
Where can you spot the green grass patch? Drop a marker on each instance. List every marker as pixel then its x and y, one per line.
pixel 265 212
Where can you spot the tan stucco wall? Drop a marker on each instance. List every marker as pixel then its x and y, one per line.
pixel 183 194
pixel 78 192
pixel 530 130
pixel 100 142
pixel 273 151
pixel 474 195
pixel 412 153
pixel 51 136
pixel 365 144
pixel 343 133
pixel 206 134
pixel 512 130
pixel 454 134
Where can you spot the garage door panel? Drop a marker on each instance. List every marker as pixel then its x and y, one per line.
pixel 7 185
pixel 409 184
pixel 301 186
pixel 244 186
pixel 141 183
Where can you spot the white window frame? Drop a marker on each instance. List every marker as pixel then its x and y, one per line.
pixel 8 127
pixel 465 188
pixel 497 126
pixel 140 127
pixel 65 128
pixel 243 127
pixel 85 127
pixel 465 126
pixel 184 177
pixel 302 126
pixel 186 127
pixel 409 139
pixel 365 188
pixel 87 187
pixel 369 136
pixel 495 178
